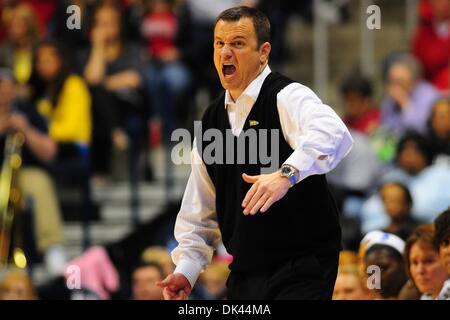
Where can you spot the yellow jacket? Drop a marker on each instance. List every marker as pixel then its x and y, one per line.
pixel 70 120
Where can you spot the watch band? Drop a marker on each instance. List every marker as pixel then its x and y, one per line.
pixel 293 179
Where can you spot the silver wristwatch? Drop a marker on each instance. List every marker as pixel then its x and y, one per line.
pixel 289 172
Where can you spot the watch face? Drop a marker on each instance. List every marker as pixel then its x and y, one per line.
pixel 286 170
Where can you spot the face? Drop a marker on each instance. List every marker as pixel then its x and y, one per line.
pixel 441 120
pixel 355 104
pixel 16 288
pixel 392 274
pixel 400 75
pixel 444 254
pixel 18 28
pixel 348 287
pixel 426 268
pixel 108 20
pixel 411 159
pixel 48 63
pixel 144 284
pixel 394 201
pixel 237 58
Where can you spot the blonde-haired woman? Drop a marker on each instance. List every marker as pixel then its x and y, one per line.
pixel 424 266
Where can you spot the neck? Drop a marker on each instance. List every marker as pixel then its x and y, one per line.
pixel 442 135
pixel 435 294
pixel 399 220
pixel 112 43
pixel 21 43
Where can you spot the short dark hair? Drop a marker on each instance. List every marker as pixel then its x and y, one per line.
pixel 357 83
pixel 422 144
pixel 260 21
pixel 442 228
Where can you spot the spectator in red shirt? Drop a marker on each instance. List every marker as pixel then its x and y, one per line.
pixel 159 28
pixel 361 115
pixel 431 42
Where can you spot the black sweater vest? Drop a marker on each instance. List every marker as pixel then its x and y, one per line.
pixel 305 221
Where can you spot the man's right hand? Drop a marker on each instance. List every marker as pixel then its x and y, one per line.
pixel 175 287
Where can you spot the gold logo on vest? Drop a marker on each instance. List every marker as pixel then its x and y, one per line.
pixel 253 123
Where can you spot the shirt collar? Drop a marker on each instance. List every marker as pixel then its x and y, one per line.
pixel 252 90
pixel 444 294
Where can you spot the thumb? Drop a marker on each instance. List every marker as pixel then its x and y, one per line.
pixel 165 283
pixel 249 179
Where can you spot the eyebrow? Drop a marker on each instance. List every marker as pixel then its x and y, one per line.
pixel 233 39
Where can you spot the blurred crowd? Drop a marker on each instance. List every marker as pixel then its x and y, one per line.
pixel 130 75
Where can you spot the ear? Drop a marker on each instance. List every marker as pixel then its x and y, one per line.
pixel 264 50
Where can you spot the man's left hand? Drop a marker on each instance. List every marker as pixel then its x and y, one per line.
pixel 266 189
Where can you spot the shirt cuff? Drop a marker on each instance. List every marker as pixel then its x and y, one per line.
pixel 302 162
pixel 189 269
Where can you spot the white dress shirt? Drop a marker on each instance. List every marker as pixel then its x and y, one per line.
pixel 316 133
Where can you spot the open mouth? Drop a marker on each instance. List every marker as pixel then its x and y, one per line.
pixel 228 70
